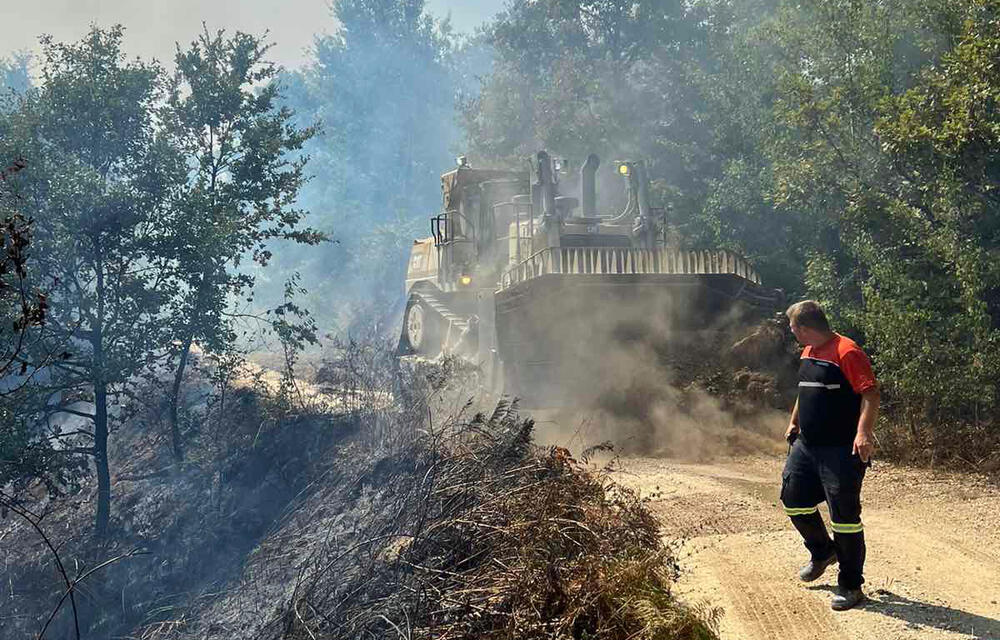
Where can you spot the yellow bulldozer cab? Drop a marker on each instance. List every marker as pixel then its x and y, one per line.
pixel 423 263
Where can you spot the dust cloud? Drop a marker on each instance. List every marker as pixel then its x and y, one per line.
pixel 650 369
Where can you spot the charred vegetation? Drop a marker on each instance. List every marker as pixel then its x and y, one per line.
pixel 384 516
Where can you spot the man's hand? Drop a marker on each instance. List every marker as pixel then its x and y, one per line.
pixel 791 432
pixel 863 446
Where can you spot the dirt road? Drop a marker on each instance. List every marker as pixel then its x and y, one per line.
pixel 933 567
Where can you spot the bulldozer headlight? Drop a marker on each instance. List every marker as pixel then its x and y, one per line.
pixel 465 280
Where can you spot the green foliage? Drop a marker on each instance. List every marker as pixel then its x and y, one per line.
pixel 20 307
pixel 872 144
pixel 27 455
pixel 940 138
pixel 222 113
pixel 148 195
pixel 98 181
pixel 295 329
pixel 907 269
pixel 573 76
pixel 239 193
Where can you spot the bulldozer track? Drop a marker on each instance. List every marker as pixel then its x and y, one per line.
pixel 933 568
pixel 703 515
pixel 452 325
pixel 771 610
pixel 434 302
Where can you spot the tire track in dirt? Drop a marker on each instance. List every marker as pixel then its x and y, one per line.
pixel 933 566
pixel 770 609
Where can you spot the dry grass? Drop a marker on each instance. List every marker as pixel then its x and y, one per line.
pixel 958 446
pixel 387 521
pixel 476 533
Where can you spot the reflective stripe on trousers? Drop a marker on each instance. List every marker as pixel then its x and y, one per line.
pixel 846 527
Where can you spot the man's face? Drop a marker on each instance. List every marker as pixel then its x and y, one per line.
pixel 797 332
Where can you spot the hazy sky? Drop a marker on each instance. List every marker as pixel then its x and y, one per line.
pixel 152 26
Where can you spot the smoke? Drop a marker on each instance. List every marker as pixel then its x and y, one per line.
pixel 646 367
pixel 651 417
pixel 384 90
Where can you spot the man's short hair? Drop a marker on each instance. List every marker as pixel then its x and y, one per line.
pixel 808 313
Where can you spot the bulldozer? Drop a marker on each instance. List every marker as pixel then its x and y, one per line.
pixel 537 287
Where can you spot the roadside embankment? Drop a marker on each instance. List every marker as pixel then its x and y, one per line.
pixel 413 518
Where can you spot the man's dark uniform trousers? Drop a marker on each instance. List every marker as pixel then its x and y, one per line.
pixel 821 465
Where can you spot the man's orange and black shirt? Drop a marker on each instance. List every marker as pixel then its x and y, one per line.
pixel 832 378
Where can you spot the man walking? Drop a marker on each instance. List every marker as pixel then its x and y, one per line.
pixel 831 435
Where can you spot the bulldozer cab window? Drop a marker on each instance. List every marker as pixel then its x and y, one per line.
pixel 469 208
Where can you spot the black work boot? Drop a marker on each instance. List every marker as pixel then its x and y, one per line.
pixel 816 568
pixel 847 598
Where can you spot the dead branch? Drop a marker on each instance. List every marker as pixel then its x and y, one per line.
pixel 35 522
pixel 76 582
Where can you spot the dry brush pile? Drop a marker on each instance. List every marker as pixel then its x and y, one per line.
pixel 386 522
pixel 473 532
pixel 427 526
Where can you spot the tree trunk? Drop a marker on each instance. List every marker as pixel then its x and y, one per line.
pixel 100 404
pixel 175 390
pixel 175 394
pixel 101 459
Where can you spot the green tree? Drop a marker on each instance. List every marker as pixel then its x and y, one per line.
pixel 890 228
pixel 732 72
pixel 99 181
pixel 26 453
pixel 245 173
pixel 579 77
pixel 941 138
